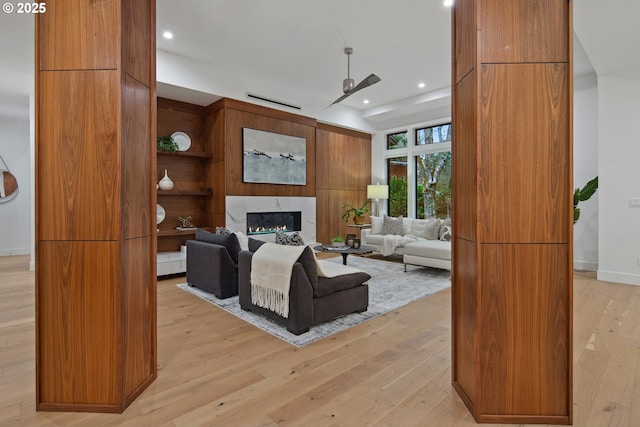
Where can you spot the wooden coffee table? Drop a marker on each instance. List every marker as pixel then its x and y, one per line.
pixel 344 250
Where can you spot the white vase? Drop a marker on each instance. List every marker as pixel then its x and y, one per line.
pixel 166 183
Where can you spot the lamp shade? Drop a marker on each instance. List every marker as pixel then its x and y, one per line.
pixel 377 191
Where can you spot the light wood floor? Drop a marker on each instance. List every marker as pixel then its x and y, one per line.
pixel 393 370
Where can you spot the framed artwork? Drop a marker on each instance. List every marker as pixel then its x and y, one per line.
pixel 273 158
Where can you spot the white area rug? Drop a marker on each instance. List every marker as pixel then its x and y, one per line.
pixel 389 288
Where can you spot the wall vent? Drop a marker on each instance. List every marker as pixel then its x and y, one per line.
pixel 273 101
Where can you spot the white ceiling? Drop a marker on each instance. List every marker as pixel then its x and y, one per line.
pixel 292 51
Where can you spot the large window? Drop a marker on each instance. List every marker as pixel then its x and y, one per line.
pixel 397 179
pixel 419 172
pixel 433 185
pixel 433 172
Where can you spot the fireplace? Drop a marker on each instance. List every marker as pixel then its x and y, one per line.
pixel 270 222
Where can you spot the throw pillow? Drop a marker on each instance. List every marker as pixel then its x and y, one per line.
pixel 406 223
pixel 229 241
pixel 376 224
pixel 445 230
pixel 392 225
pixel 432 229
pixel 223 230
pixel 419 228
pixel 254 244
pixel 294 239
pixel 243 240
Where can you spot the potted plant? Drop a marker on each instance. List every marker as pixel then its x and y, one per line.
pixel 582 195
pixel 166 143
pixel 337 241
pixel 357 213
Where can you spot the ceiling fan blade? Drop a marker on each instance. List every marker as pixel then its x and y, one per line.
pixel 341 98
pixel 368 81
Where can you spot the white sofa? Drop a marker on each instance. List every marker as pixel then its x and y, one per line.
pixel 423 242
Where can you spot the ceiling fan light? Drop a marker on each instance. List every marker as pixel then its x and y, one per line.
pixel 348 85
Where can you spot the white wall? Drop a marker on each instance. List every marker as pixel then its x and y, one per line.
pixel 619 172
pixel 585 167
pixel 15 215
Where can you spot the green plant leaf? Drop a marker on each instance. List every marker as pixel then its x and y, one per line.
pixel 166 143
pixel 589 189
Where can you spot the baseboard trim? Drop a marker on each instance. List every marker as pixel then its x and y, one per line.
pixel 12 252
pixel 612 276
pixel 585 265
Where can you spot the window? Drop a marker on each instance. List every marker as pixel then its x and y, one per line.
pixel 419 171
pixel 433 172
pixel 397 179
pixel 433 185
pixel 397 140
pixel 433 134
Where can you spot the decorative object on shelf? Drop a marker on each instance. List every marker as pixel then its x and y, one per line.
pixel 182 140
pixel 350 238
pixel 185 223
pixel 8 183
pixel 166 183
pixel 356 243
pixel 160 214
pixel 166 143
pixel 337 241
pixel 375 193
pixel 357 213
pixel 582 195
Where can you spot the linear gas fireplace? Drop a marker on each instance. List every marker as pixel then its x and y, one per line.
pixel 270 222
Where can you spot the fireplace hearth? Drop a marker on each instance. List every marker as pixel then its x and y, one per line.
pixel 270 222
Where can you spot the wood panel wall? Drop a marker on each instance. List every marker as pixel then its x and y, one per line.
pixel 225 120
pixel 512 263
pixel 338 162
pixel 343 172
pixel 95 232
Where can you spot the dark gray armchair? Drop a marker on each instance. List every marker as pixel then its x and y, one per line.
pixel 312 299
pixel 212 263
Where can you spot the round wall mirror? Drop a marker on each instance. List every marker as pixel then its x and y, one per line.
pixel 8 183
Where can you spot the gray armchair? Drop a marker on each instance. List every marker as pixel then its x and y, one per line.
pixel 212 263
pixel 312 299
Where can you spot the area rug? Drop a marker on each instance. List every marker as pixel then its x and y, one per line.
pixel 389 288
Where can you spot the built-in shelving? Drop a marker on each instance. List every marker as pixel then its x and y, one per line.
pixel 183 193
pixel 199 154
pixel 168 233
pixel 188 171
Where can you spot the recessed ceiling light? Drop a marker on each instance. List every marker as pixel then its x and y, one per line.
pixel 421 85
pixel 366 101
pixel 448 3
pixel 167 35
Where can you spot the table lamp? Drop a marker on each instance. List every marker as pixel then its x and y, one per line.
pixel 377 192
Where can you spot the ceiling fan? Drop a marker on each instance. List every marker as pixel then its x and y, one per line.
pixel 348 85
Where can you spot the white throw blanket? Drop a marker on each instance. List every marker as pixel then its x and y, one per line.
pixel 271 268
pixel 391 241
pixel 332 269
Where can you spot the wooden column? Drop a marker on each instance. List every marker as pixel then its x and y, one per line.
pixel 512 251
pixel 95 199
